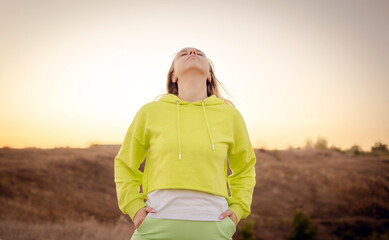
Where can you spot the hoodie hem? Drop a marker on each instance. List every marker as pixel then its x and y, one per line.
pixel 210 191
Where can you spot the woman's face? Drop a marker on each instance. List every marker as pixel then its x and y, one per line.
pixel 190 59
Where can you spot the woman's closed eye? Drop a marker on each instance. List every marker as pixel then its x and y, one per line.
pixel 197 54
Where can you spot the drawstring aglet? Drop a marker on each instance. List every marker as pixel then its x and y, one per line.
pixel 179 156
pixel 213 147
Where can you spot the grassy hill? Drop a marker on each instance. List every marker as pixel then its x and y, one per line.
pixel 69 193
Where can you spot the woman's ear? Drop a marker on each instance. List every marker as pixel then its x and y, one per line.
pixel 174 78
pixel 209 78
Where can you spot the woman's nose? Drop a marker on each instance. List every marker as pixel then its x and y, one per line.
pixel 192 51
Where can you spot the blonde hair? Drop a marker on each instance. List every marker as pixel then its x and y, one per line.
pixel 212 87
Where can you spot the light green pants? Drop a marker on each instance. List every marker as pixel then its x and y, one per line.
pixel 171 229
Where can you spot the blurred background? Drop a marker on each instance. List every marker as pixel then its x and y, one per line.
pixel 309 77
pixel 75 72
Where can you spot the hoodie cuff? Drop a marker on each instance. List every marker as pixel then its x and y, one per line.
pixel 134 207
pixel 237 209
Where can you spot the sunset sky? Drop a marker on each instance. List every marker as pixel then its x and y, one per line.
pixel 74 73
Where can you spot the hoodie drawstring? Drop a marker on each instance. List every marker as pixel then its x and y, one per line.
pixel 178 127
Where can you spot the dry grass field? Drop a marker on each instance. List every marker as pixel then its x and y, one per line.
pixel 346 196
pixel 69 193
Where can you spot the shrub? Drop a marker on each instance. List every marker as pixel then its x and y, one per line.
pixel 308 144
pixel 377 236
pixel 336 149
pixel 356 150
pixel 247 231
pixel 303 228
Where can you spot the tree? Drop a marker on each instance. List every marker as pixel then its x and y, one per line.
pixel 379 147
pixel 321 143
pixel 356 150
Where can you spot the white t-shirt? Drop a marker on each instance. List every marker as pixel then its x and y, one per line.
pixel 186 204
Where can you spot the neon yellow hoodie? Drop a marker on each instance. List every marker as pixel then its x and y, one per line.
pixel 186 146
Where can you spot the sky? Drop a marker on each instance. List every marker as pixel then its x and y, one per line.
pixel 74 73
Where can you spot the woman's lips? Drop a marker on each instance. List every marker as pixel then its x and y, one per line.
pixel 193 56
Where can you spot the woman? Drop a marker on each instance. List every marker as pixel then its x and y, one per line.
pixel 186 137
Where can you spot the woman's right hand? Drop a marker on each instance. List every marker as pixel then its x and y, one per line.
pixel 141 215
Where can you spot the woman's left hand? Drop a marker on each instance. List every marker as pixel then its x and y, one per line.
pixel 229 213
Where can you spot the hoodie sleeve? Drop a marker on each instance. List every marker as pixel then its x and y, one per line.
pixel 128 177
pixel 242 161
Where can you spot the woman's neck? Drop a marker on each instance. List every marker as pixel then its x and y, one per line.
pixel 192 90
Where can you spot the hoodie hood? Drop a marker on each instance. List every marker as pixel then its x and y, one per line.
pixel 211 100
